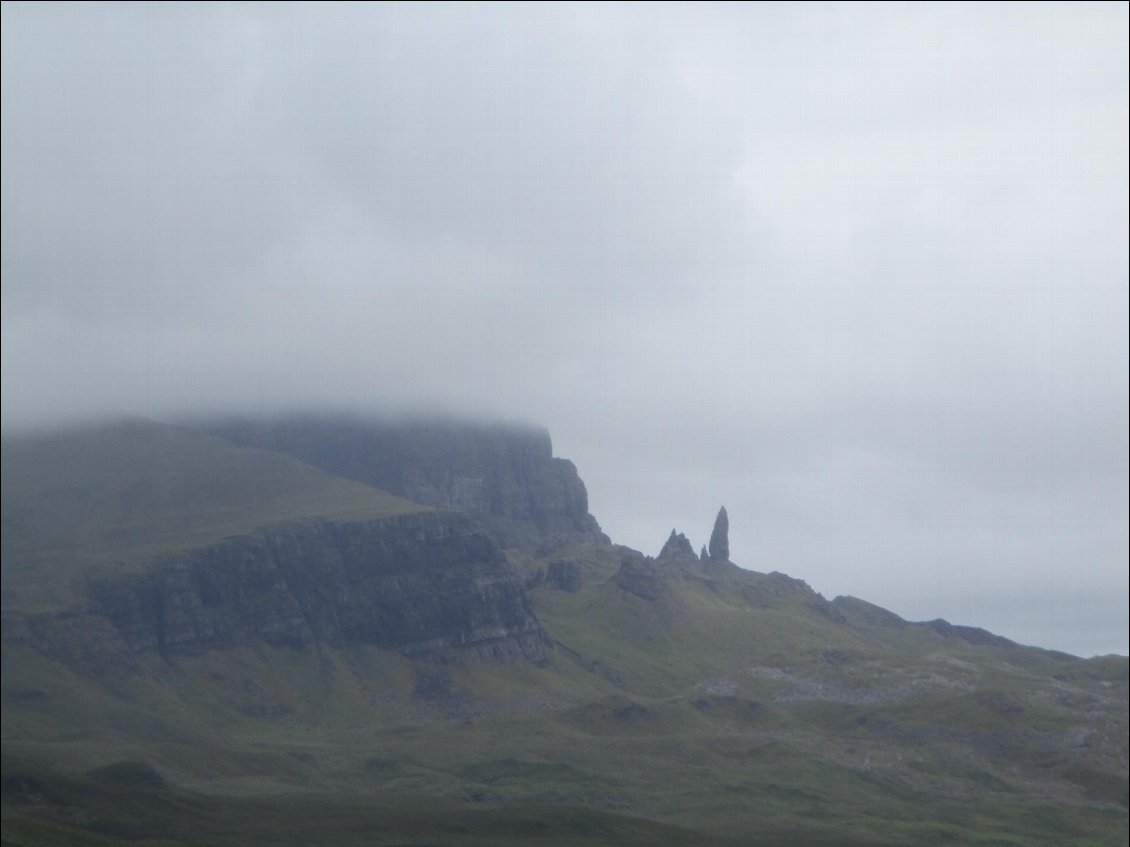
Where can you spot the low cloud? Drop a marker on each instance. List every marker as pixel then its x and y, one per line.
pixel 856 272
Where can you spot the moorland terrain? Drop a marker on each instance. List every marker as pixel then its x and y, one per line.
pixel 321 630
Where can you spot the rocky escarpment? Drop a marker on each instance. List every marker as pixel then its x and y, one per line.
pixel 505 475
pixel 422 583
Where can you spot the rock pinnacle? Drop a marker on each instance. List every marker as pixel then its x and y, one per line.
pixel 720 537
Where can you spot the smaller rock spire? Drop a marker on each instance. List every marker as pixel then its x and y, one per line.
pixel 720 537
pixel 677 547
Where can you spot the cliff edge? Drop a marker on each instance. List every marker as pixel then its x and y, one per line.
pixel 505 475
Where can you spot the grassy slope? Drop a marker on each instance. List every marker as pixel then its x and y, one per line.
pixel 832 726
pixel 119 804
pixel 754 715
pixel 125 493
pixel 698 712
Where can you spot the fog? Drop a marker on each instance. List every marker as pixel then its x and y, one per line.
pixel 858 272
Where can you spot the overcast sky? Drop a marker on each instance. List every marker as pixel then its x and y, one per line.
pixel 858 272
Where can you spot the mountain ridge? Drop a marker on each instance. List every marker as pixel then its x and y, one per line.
pixel 562 672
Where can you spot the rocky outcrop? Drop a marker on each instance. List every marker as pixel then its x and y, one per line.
pixel 425 583
pixel 505 475
pixel 676 549
pixel 720 537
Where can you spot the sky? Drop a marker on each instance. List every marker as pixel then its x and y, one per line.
pixel 856 271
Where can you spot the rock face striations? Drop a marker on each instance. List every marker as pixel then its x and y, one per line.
pixel 423 583
pixel 137 537
pixel 504 475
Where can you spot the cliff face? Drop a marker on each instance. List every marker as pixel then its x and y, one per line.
pixel 505 475
pixel 422 583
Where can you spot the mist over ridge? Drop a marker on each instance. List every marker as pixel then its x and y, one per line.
pixel 857 273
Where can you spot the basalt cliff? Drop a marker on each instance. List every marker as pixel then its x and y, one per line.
pixel 369 632
pixel 505 475
pixel 321 560
pixel 428 584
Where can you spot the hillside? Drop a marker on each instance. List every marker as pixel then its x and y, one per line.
pixel 387 665
pixel 123 494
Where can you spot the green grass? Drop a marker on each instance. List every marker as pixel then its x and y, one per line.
pixel 118 812
pixel 473 769
pixel 731 710
pixel 124 494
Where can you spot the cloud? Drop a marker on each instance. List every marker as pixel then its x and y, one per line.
pixel 857 272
